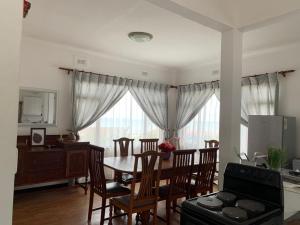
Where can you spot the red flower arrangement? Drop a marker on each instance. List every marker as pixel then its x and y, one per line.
pixel 166 147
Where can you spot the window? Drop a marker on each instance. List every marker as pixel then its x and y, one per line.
pixel 244 139
pixel 203 127
pixel 125 119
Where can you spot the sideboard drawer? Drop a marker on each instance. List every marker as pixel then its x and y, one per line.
pixel 44 161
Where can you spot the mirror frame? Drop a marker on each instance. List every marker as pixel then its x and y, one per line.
pixel 39 124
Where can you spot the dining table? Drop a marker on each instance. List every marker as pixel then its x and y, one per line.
pixel 125 164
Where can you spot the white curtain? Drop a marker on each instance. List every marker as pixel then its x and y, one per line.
pixel 190 99
pixel 124 119
pixel 204 126
pixel 93 95
pixel 259 95
pixel 153 99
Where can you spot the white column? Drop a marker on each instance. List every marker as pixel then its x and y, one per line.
pixel 230 98
pixel 10 38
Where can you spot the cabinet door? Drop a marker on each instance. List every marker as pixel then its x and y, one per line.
pixel 44 166
pixel 76 163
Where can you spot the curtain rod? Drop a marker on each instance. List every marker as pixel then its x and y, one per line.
pixel 283 73
pixel 69 70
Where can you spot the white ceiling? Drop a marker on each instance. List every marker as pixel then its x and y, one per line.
pixel 239 13
pixel 103 26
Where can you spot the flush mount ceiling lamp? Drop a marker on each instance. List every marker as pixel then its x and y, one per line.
pixel 140 36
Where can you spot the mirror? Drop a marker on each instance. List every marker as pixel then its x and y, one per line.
pixel 37 107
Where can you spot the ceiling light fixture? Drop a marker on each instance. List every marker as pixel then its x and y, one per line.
pixel 140 36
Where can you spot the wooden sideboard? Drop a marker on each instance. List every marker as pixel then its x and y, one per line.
pixel 53 162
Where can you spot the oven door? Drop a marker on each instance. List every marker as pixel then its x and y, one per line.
pixel 189 218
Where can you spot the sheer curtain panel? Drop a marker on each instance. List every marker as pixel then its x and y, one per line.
pixel 153 99
pixel 190 99
pixel 259 95
pixel 204 126
pixel 93 95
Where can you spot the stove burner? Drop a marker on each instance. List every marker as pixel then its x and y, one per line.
pixel 210 202
pixel 235 213
pixel 226 197
pixel 252 207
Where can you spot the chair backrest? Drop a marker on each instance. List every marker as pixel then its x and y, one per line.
pixel 124 144
pixel 96 167
pixel 150 163
pixel 206 170
pixel 183 163
pixel 211 143
pixel 149 144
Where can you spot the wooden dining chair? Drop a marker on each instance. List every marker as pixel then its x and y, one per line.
pixel 146 197
pixel 149 144
pixel 99 185
pixel 214 144
pixel 122 145
pixel 180 181
pixel 204 178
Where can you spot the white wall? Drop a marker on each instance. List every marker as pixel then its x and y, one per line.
pixel 10 26
pixel 195 73
pixel 39 69
pixel 270 60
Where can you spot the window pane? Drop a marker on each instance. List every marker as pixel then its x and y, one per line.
pixel 204 126
pixel 125 119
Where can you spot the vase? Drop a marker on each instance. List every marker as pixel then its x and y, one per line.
pixel 166 155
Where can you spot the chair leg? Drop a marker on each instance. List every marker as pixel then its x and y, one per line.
pixel 103 211
pixel 168 211
pixel 137 218
pixel 154 222
pixel 91 205
pixel 86 185
pixel 110 213
pixel 129 222
pixel 145 217
pixel 174 204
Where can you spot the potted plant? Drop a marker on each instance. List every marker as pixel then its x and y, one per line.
pixel 166 148
pixel 276 158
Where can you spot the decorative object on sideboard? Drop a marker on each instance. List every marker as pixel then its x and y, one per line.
pixel 26 8
pixel 38 136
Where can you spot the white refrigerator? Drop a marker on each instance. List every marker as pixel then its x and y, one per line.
pixel 272 131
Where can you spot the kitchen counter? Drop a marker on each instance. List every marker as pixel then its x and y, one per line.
pixel 291 199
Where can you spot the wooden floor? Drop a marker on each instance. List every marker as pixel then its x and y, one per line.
pixel 63 206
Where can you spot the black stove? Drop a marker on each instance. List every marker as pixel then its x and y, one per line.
pixel 250 196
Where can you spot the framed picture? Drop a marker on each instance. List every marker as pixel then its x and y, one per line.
pixel 38 136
